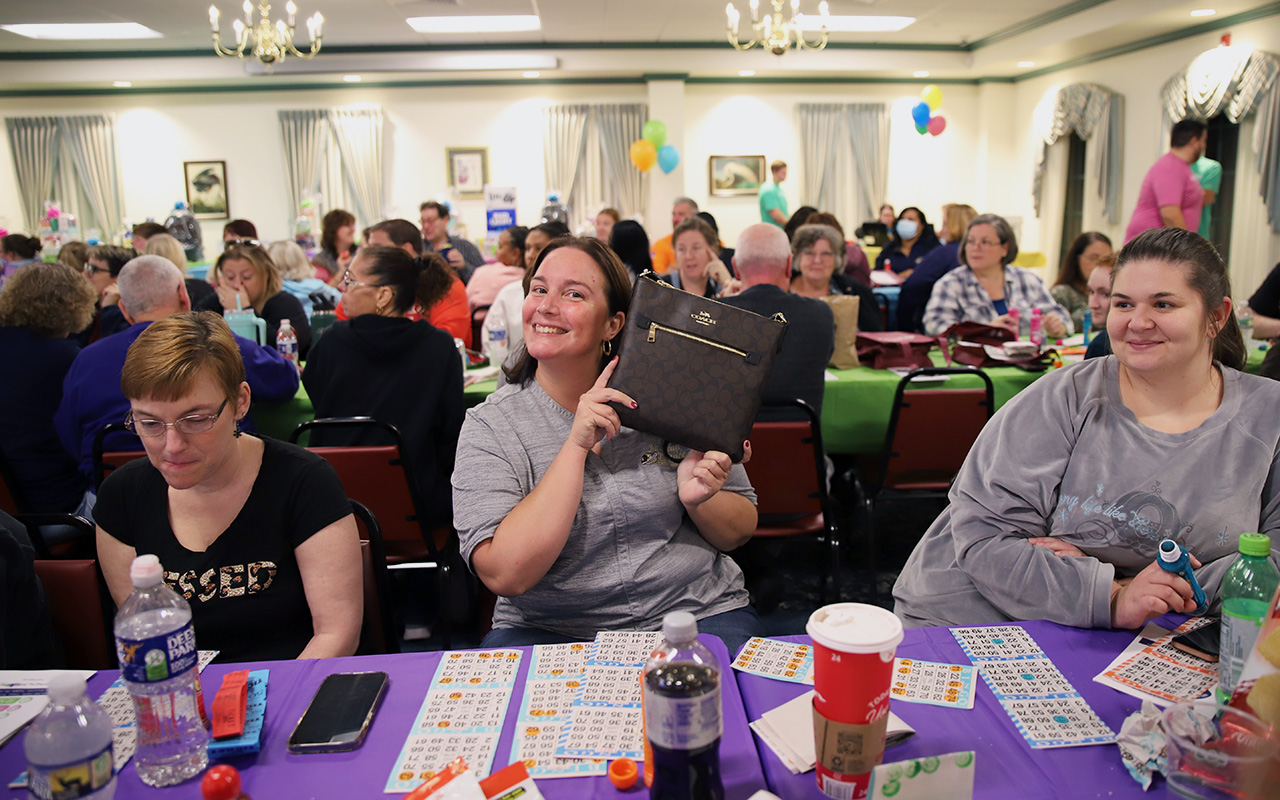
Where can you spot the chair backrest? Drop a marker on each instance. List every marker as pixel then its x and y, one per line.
pixel 787 468
pixel 931 430
pixel 378 633
pixel 61 536
pixel 11 501
pixel 104 461
pixel 82 611
pixel 379 476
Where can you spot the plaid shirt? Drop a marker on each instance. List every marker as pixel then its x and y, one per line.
pixel 957 296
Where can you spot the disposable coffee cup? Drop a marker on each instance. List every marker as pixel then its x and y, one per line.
pixel 853 647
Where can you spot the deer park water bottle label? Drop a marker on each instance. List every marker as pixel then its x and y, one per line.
pixel 80 778
pixel 157 658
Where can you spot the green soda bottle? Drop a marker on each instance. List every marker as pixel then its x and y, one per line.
pixel 1246 590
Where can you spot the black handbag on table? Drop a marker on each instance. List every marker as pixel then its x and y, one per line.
pixel 694 366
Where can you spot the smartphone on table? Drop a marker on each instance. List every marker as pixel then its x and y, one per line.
pixel 1204 641
pixel 340 714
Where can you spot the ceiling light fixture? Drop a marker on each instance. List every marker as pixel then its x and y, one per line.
pixel 506 23
pixel 920 73
pixel 83 31
pixel 746 73
pixel 351 78
pixel 1203 12
pixel 852 24
pixel 1026 64
pixel 122 84
pixel 270 44
pixel 532 74
pixel 774 33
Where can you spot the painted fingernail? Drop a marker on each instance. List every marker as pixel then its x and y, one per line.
pixel 634 404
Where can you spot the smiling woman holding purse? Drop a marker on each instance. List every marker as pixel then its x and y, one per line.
pixel 577 523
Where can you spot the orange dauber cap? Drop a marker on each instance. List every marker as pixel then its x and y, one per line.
pixel 622 773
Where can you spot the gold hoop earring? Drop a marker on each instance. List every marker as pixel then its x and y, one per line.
pixel 606 347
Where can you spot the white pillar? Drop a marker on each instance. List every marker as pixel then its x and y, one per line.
pixel 666 103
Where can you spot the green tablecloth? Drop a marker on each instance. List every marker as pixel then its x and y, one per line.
pixel 855 407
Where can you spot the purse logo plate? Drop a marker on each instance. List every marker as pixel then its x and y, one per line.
pixel 702 318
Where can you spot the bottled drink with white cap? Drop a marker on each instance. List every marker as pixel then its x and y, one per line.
pixel 683 720
pixel 157 648
pixel 68 747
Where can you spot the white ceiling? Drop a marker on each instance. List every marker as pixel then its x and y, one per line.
pixel 958 39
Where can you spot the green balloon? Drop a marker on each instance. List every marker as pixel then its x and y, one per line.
pixel 922 129
pixel 655 131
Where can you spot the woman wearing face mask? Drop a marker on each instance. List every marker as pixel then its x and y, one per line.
pixel 910 240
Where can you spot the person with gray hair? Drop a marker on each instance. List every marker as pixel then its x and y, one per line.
pixel 664 252
pixel 987 286
pixel 762 262
pixel 151 288
pixel 817 250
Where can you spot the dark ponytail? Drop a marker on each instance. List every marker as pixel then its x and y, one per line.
pixel 20 245
pixel 1206 275
pixel 435 280
pixel 422 281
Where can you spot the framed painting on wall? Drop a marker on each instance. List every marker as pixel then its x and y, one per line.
pixel 735 175
pixel 468 171
pixel 207 189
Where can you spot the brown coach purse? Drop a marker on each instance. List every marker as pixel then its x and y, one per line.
pixel 694 366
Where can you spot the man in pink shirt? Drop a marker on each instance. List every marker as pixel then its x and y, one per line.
pixel 1171 196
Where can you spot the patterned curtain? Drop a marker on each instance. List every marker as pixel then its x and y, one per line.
pixel 304 135
pixel 869 135
pixel 1094 113
pixel 564 141
pixel 1234 81
pixel 820 136
pixel 33 143
pixel 359 137
pixel 617 126
pixel 91 141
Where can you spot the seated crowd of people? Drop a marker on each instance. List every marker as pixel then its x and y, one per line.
pixel 575 522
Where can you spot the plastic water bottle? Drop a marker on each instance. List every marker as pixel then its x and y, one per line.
pixel 461 347
pixel 1087 324
pixel 683 721
pixel 497 349
pixel 68 746
pixel 1245 317
pixel 182 226
pixel 157 648
pixel 1036 328
pixel 1246 591
pixel 1016 317
pixel 287 341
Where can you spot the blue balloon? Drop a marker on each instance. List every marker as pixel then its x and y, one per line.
pixel 668 158
pixel 920 113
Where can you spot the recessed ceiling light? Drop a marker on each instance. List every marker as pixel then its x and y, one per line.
pixel 122 84
pixel 532 74
pixel 83 30
pixel 850 24
pixel 920 73
pixel 351 78
pixel 1026 64
pixel 746 73
pixel 1203 12
pixel 489 24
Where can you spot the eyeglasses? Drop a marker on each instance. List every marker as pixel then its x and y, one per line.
pixel 825 254
pixel 196 423
pixel 90 269
pixel 347 283
pixel 243 243
pixel 983 243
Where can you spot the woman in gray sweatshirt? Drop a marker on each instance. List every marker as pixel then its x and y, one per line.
pixel 1065 496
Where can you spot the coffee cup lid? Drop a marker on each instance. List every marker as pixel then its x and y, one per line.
pixel 855 628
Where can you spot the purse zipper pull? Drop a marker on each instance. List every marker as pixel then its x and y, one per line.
pixel 653 332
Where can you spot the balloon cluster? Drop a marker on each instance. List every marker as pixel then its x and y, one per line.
pixel 652 148
pixel 922 112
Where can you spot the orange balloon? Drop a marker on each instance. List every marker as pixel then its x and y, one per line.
pixel 643 154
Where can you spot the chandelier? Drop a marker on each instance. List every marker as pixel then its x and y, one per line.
pixel 773 32
pixel 268 43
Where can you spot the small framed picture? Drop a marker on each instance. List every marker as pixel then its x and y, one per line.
pixel 468 170
pixel 735 175
pixel 207 189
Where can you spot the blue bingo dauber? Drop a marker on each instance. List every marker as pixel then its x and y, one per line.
pixel 1175 558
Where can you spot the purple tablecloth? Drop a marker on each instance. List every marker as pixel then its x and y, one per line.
pixel 1007 767
pixel 275 774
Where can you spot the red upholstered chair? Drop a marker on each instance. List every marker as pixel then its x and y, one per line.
pixel 105 461
pixel 789 474
pixel 82 611
pixel 378 634
pixel 382 478
pixel 930 434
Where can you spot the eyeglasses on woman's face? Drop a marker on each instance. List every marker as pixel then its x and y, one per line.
pixel 242 243
pixel 192 424
pixel 347 282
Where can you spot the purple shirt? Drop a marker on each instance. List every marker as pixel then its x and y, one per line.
pixel 1169 182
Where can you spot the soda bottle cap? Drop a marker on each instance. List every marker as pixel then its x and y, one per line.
pixel 623 773
pixel 1170 551
pixel 855 628
pixel 1255 544
pixel 65 687
pixel 679 627
pixel 145 571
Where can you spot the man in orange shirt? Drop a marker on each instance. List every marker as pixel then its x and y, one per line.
pixel 663 254
pixel 451 313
